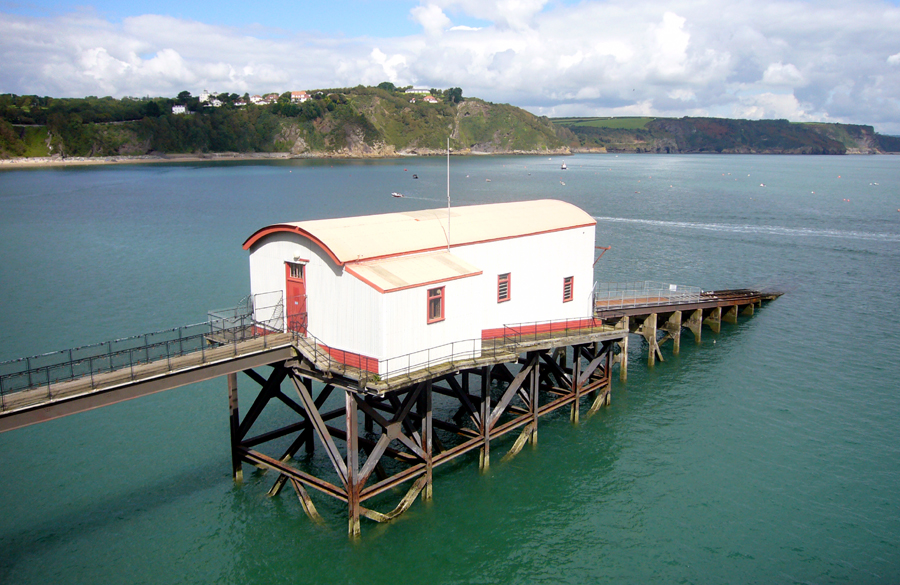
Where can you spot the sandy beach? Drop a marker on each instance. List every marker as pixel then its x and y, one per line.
pixel 57 161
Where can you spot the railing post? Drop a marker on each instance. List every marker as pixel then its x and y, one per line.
pixel 28 368
pixel 71 366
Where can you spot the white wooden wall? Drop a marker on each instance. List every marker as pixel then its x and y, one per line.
pixel 347 314
pixel 537 265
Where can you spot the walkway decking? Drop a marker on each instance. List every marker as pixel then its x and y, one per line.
pixel 53 401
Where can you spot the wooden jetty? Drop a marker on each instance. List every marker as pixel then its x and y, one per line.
pixel 378 432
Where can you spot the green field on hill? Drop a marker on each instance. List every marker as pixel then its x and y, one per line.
pixel 617 123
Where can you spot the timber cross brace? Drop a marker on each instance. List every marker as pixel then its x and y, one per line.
pixel 377 442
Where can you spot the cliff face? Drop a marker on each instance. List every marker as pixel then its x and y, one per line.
pixel 719 135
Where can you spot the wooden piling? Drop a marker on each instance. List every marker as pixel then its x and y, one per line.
pixel 234 419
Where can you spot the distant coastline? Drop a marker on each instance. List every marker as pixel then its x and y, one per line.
pixel 75 161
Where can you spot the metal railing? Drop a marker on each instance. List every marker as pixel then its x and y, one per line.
pixel 514 338
pixel 258 316
pixel 230 326
pixel 520 334
pixel 615 295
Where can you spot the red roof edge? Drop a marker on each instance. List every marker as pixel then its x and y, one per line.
pixel 268 230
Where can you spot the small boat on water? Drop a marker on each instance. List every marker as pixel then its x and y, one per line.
pixel 564 167
pixel 395 194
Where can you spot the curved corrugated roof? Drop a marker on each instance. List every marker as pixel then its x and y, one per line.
pixel 350 239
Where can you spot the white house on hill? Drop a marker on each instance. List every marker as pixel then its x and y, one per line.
pixel 384 286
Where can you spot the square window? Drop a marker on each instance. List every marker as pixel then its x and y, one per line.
pixel 503 290
pixel 435 304
pixel 567 288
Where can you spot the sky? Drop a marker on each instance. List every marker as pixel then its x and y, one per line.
pixel 828 61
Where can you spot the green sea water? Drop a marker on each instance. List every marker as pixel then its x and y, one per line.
pixel 769 453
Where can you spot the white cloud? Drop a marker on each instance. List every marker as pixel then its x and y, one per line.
pixel 772 105
pixel 670 45
pixel 431 17
pixel 682 94
pixel 505 14
pixel 781 74
pixel 790 59
pixel 391 66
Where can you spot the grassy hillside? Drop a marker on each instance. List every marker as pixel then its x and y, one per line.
pixel 627 123
pixel 358 122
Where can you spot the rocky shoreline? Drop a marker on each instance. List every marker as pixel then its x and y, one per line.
pixel 54 161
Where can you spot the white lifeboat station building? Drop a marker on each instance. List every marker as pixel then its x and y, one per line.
pixel 382 291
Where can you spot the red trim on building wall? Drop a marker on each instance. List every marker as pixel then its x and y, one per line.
pixel 272 229
pixel 353 360
pixel 538 328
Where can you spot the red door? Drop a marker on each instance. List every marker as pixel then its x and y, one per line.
pixel 295 296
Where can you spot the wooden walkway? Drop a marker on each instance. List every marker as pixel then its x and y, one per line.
pixel 48 402
pixel 650 315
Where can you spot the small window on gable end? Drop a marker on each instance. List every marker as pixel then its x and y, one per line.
pixel 567 288
pixel 296 270
pixel 435 304
pixel 503 290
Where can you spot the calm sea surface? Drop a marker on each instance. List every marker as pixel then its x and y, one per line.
pixel 770 453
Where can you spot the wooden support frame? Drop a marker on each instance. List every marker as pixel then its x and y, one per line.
pixel 396 436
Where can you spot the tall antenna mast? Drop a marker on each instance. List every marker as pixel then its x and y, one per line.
pixel 448 193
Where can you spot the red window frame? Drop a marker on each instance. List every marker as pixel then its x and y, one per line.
pixel 435 304
pixel 568 287
pixel 504 279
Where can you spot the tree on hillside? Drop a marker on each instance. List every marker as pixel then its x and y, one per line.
pixel 387 86
pixel 183 97
pixel 151 109
pixel 453 95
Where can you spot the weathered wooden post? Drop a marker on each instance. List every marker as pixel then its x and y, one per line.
pixel 576 384
pixel 234 419
pixel 352 462
pixel 425 410
pixel 484 459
